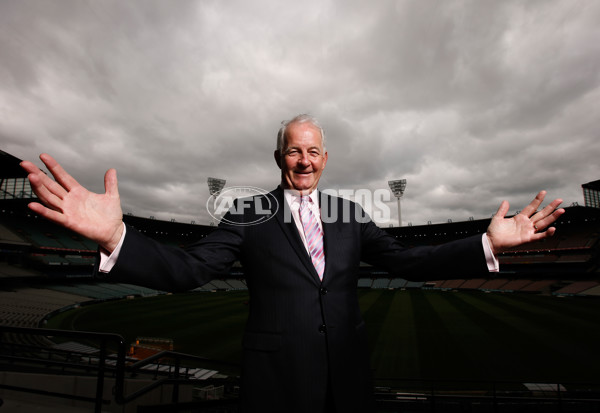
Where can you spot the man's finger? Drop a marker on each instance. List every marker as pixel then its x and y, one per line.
pixel 61 176
pixel 534 205
pixel 47 213
pixel 544 222
pixel 545 234
pixel 47 196
pixel 39 179
pixel 502 210
pixel 30 167
pixel 547 211
pixel 111 185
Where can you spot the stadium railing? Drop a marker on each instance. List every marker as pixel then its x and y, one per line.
pixel 29 359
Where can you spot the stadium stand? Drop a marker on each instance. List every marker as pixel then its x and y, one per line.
pixel 540 286
pixel 493 285
pixel 397 283
pixel 380 283
pixel 364 283
pixel 451 284
pixel 221 285
pixel 414 284
pixel 27 307
pixel 473 284
pixel 237 284
pixel 594 291
pixel 515 285
pixel 578 287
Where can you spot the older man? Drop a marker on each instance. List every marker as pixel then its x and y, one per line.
pixel 305 345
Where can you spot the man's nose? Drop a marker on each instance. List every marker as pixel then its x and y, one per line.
pixel 304 159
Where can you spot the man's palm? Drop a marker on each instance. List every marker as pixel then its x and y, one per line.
pixel 94 216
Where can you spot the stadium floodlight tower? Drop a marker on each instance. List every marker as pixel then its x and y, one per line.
pixel 397 187
pixel 215 186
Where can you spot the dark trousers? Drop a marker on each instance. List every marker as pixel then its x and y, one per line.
pixel 329 403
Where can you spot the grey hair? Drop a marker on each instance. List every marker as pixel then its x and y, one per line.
pixel 298 119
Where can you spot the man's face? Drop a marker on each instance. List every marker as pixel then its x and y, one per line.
pixel 303 158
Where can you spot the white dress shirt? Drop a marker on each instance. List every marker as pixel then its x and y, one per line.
pixel 293 200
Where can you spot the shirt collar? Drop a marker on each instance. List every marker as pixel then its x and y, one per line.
pixel 292 196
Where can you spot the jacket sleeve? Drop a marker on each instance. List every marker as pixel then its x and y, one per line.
pixel 463 258
pixel 144 261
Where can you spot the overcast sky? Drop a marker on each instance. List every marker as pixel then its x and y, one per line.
pixel 472 102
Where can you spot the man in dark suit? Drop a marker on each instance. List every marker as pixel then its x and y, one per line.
pixel 305 342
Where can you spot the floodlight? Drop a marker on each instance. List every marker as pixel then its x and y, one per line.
pixel 215 185
pixel 397 187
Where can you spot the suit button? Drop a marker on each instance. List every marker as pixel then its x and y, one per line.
pixel 324 291
pixel 322 329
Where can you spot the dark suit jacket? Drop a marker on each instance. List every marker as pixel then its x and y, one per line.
pixel 302 334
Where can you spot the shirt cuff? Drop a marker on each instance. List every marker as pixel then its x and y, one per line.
pixel 107 262
pixel 490 259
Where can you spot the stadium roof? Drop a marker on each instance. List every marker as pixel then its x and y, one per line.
pixel 9 166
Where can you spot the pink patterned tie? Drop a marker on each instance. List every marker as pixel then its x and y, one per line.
pixel 313 234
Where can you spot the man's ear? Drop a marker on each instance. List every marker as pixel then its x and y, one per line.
pixel 277 156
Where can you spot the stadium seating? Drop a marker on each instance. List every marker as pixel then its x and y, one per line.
pixel 493 285
pixel 364 283
pixel 396 283
pixel 576 288
pixel 539 286
pixel 473 284
pixel 452 284
pixel 27 307
pixel 380 283
pixel 594 291
pixel 515 285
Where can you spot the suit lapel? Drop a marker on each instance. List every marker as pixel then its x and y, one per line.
pixel 288 226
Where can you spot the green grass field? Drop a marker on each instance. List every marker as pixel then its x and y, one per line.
pixel 413 333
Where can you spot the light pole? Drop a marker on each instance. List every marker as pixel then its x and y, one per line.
pixel 397 187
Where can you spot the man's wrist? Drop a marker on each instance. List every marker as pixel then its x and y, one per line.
pixel 490 256
pixel 109 259
pixel 115 240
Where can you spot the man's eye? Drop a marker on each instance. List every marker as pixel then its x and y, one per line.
pixel 293 152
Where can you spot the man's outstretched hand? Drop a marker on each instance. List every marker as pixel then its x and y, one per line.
pixel 95 216
pixel 527 226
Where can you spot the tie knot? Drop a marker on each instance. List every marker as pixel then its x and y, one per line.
pixel 304 200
